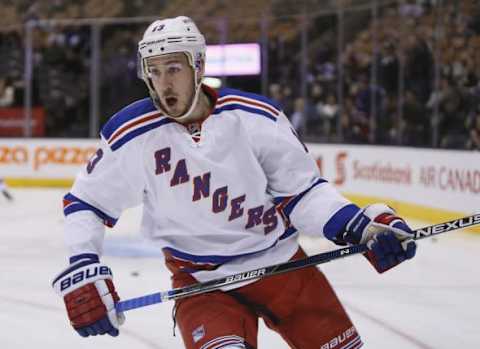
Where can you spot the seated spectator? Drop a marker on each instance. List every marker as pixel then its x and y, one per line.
pixel 7 93
pixel 328 112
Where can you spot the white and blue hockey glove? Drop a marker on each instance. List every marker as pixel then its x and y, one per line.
pixel 389 239
pixel 89 295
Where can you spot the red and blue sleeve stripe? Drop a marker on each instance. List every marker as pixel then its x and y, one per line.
pixel 230 99
pixel 230 92
pixel 132 121
pixel 128 113
pixel 130 132
pixel 72 204
pixel 253 110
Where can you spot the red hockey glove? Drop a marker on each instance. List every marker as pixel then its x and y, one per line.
pixel 388 237
pixel 89 295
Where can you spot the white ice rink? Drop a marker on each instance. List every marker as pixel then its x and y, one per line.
pixel 432 302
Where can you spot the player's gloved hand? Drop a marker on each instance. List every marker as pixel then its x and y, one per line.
pixel 388 237
pixel 87 289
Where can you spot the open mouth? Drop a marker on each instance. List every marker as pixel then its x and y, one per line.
pixel 171 101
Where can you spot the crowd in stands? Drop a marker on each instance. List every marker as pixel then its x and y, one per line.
pixel 391 91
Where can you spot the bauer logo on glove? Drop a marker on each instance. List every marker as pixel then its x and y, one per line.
pixel 90 297
pixel 86 274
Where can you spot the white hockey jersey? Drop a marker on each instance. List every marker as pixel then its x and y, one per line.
pixel 233 199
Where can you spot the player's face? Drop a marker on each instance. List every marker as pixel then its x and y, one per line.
pixel 172 78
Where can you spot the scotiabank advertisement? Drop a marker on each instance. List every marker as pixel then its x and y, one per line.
pixel 44 158
pixel 442 179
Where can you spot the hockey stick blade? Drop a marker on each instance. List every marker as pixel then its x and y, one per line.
pixel 212 285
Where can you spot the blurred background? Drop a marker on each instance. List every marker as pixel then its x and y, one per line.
pixel 385 93
pixel 389 72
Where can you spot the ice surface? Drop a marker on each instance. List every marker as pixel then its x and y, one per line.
pixel 431 302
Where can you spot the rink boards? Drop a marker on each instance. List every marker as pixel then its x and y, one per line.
pixel 425 184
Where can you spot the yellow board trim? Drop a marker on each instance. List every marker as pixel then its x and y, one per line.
pixel 412 211
pixel 39 182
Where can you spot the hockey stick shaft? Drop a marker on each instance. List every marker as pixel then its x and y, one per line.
pixel 321 258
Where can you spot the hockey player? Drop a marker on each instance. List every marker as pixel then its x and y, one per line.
pixel 4 190
pixel 226 186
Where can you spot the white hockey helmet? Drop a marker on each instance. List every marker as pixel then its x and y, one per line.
pixel 179 34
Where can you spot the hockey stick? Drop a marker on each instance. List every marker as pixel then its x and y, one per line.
pixel 212 285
